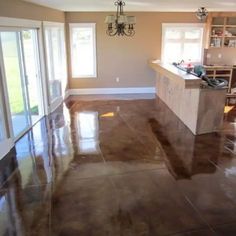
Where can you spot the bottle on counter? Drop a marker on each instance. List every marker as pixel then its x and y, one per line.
pixel 189 66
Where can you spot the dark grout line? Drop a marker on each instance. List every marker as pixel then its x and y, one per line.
pixel 200 215
pixel 224 224
pixel 117 174
pixel 193 207
pixel 133 131
pixel 195 230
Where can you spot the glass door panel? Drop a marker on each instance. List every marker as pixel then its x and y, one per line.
pixel 22 78
pixel 5 142
pixel 55 81
pixel 32 73
pixel 12 59
pixel 2 127
pixel 56 63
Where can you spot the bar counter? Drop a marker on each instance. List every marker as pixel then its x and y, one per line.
pixel 200 109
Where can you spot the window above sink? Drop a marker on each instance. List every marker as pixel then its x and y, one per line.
pixel 182 41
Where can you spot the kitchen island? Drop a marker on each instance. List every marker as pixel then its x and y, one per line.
pixel 200 109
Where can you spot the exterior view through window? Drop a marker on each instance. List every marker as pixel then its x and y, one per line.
pixel 83 50
pixel 23 78
pixel 182 42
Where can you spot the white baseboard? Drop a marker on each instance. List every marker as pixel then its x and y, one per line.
pixel 94 91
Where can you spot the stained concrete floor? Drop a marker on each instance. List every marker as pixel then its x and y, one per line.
pixel 120 165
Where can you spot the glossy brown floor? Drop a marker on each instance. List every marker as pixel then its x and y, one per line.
pixel 120 167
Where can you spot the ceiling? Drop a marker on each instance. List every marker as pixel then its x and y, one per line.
pixel 139 5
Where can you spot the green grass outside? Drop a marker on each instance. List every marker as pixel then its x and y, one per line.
pixel 14 86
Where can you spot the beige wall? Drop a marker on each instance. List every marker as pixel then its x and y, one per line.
pixel 20 9
pixel 125 57
pixel 121 57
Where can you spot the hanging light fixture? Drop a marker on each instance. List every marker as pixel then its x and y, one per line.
pixel 120 24
pixel 202 13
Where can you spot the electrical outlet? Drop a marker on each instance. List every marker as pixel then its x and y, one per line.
pixel 219 55
pixel 208 55
pixel 117 79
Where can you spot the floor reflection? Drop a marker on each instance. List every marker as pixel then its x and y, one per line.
pixel 86 126
pixel 24 210
pixel 127 167
pixel 34 157
pixel 185 154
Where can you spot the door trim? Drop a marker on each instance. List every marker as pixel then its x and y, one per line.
pixel 55 103
pixel 5 147
pixel 16 22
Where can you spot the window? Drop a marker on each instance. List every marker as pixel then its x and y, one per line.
pixel 56 59
pixel 182 42
pixel 83 50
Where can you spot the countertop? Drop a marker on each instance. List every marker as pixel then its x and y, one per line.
pixel 170 71
pixel 220 66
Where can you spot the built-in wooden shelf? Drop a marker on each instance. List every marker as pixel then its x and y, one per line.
pixel 222 31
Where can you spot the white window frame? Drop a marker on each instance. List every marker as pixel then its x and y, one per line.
pixel 53 104
pixel 17 22
pixel 183 26
pixel 89 25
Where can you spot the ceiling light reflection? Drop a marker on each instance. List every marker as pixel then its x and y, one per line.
pixel 227 109
pixel 87 132
pixel 109 114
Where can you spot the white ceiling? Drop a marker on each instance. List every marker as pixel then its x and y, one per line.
pixel 139 5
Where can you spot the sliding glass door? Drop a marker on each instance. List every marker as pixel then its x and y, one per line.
pixel 56 62
pixel 33 75
pixel 22 78
pixel 15 83
pixel 2 132
pixel 6 143
pixel 2 123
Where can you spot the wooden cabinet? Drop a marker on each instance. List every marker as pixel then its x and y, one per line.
pixel 233 80
pixel 222 31
pixel 221 72
pixel 228 73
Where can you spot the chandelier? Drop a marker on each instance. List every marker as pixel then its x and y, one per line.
pixel 202 13
pixel 120 24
